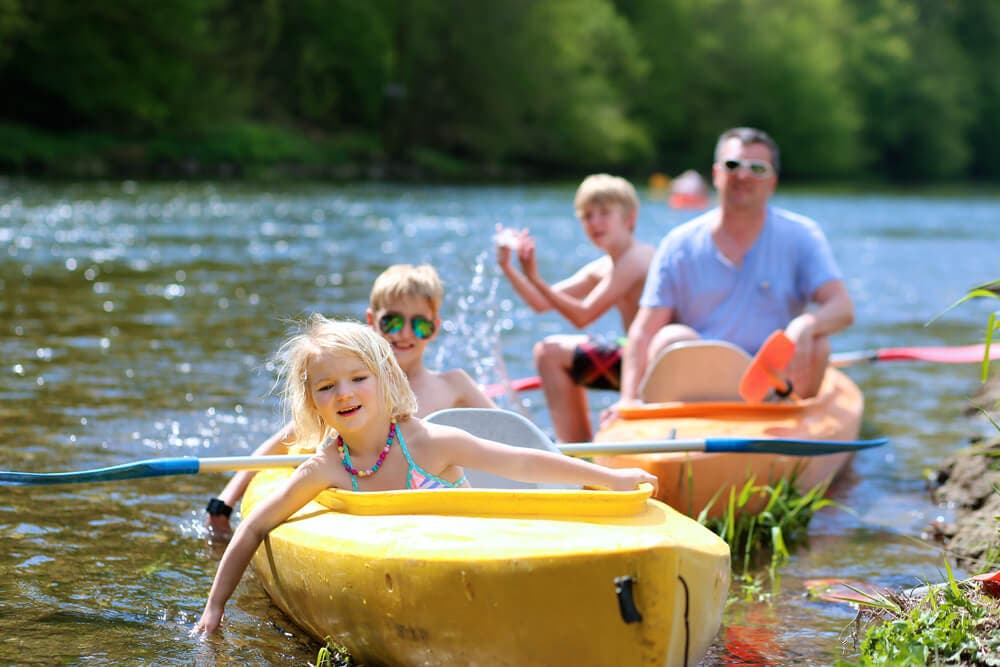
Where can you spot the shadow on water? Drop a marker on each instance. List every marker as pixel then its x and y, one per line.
pixel 137 320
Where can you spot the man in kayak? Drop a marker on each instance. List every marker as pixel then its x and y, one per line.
pixel 739 272
pixel 608 207
pixel 404 307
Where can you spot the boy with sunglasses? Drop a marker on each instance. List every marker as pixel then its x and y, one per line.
pixel 403 307
pixel 607 206
pixel 739 272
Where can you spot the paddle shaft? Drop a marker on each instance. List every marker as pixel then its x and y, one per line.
pixel 785 446
pixel 187 465
pixel 182 465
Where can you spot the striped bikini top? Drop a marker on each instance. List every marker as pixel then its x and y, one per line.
pixel 417 477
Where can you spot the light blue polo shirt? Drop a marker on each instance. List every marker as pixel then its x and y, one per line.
pixel 741 304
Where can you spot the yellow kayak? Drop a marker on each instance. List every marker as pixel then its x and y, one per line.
pixel 705 403
pixel 496 577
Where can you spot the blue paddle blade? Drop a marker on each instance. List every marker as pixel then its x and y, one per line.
pixel 186 465
pixel 789 447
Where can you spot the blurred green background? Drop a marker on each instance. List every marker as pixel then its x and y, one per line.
pixel 859 90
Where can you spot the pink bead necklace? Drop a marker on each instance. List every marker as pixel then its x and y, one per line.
pixel 345 454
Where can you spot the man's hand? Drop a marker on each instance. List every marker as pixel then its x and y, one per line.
pixel 801 331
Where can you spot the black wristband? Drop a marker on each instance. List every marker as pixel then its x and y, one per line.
pixel 217 507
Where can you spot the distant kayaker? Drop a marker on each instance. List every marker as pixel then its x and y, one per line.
pixel 348 397
pixel 689 190
pixel 404 306
pixel 607 206
pixel 739 272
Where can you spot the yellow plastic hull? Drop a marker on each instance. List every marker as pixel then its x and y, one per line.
pixel 690 481
pixel 490 577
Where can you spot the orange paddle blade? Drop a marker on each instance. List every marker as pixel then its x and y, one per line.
pixel 766 368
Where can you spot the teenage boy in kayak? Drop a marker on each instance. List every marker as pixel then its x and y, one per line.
pixel 739 272
pixel 404 307
pixel 607 206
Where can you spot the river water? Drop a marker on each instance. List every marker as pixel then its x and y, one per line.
pixel 137 319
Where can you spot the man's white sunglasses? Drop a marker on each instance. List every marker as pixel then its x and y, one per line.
pixel 758 168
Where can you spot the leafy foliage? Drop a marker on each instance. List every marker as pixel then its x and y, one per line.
pixel 896 89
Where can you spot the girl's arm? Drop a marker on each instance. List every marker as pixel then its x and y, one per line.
pixel 528 465
pixel 303 486
pixel 218 524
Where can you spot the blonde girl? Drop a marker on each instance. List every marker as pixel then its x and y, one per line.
pixel 342 377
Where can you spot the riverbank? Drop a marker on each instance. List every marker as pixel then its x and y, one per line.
pixel 234 151
pixel 969 483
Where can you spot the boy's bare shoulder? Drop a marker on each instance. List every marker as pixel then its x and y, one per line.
pixel 466 393
pixel 637 258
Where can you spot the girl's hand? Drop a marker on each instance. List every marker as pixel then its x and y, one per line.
pixel 627 479
pixel 208 623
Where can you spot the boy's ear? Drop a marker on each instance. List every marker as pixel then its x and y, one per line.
pixel 370 317
pixel 631 218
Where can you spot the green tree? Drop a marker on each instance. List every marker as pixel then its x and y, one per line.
pixel 913 84
pixel 977 30
pixel 331 65
pixel 124 65
pixel 11 22
pixel 536 81
pixel 773 65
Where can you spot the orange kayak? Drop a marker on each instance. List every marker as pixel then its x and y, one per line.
pixel 689 481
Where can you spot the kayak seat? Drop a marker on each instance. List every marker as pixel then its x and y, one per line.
pixel 695 371
pixel 503 426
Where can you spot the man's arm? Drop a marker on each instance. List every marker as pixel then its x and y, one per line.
pixel 834 312
pixel 635 355
pixel 809 331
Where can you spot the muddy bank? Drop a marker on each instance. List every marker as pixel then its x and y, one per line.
pixel 969 483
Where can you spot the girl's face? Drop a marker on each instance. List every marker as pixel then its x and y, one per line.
pixel 343 391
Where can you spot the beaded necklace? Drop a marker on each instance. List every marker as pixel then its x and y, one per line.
pixel 345 454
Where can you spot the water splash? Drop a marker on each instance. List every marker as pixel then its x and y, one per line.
pixel 474 331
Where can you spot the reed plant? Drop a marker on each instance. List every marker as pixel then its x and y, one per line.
pixel 955 623
pixel 333 654
pixel 770 532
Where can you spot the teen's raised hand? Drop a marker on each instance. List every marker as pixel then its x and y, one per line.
pixel 526 255
pixel 507 240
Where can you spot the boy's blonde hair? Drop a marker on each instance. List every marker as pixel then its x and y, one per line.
pixel 401 281
pixel 606 189
pixel 320 335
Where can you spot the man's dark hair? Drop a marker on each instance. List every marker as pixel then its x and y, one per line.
pixel 750 135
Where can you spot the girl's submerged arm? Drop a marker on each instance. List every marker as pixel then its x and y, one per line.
pixel 303 486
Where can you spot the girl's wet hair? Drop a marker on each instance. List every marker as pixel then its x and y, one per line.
pixel 319 335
